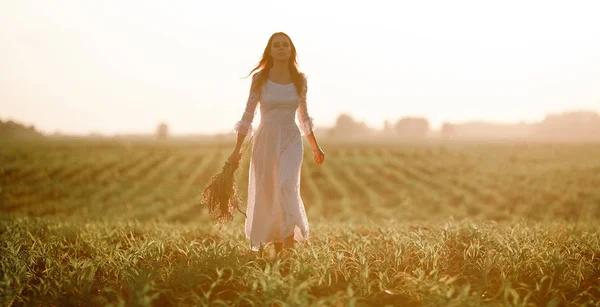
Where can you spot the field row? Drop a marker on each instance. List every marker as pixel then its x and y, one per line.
pixel 416 181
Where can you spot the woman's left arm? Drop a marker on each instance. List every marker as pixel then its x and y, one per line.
pixel 307 126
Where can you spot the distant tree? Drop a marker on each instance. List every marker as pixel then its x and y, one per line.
pixel 412 127
pixel 162 131
pixel 345 122
pixel 14 130
pixel 447 130
pixel 346 126
pixel 571 124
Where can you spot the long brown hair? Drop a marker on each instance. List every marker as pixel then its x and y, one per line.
pixel 266 62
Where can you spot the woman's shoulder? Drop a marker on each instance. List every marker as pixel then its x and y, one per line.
pixel 257 76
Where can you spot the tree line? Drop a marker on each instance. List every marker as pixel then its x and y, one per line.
pixel 570 124
pixel 10 129
pixel 567 125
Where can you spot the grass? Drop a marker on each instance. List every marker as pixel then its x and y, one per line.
pixel 107 223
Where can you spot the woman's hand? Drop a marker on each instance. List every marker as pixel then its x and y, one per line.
pixel 234 159
pixel 319 155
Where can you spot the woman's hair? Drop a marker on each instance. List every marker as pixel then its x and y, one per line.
pixel 266 62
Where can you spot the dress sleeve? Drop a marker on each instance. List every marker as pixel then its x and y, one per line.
pixel 306 122
pixel 244 126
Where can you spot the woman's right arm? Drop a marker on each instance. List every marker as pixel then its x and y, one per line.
pixel 240 141
pixel 244 126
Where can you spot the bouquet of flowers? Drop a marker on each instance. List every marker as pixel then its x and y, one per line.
pixel 221 195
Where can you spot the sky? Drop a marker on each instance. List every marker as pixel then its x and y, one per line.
pixel 109 66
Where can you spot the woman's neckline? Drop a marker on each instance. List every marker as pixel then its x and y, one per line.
pixel 269 79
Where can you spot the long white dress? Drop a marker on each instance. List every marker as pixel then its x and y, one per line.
pixel 274 208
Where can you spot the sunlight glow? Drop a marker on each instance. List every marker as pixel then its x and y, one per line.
pixel 122 67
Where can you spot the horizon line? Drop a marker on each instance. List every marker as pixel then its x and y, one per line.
pixel 231 131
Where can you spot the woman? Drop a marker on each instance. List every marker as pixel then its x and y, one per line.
pixel 275 212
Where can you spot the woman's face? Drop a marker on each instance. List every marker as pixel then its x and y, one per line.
pixel 281 48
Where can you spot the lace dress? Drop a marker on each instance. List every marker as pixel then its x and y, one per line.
pixel 274 208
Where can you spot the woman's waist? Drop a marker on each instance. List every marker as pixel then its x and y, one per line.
pixel 279 125
pixel 286 119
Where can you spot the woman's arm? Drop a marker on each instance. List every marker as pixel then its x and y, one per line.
pixel 244 126
pixel 239 142
pixel 307 126
pixel 313 141
pixel 319 156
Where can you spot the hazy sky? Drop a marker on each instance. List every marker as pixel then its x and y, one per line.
pixel 123 66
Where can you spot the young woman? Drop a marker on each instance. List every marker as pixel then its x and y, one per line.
pixel 275 212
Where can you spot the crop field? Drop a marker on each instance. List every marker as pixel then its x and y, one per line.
pixel 106 222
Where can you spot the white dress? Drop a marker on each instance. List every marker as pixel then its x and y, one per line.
pixel 274 208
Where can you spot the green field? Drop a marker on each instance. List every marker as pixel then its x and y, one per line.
pixel 96 222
